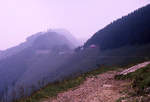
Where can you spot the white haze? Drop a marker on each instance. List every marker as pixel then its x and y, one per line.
pixel 22 18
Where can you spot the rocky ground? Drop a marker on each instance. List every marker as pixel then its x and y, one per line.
pixel 134 68
pixel 100 88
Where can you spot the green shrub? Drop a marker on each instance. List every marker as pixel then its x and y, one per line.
pixel 53 89
pixel 140 79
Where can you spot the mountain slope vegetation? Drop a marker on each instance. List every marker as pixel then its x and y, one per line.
pixel 130 30
pixel 49 57
pixel 39 55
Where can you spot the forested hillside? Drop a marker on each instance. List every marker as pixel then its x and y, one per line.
pixel 42 53
pixel 48 57
pixel 130 30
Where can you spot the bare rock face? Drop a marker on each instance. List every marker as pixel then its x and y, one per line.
pixel 107 85
pixel 134 68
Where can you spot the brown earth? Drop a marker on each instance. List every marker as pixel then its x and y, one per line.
pixel 102 88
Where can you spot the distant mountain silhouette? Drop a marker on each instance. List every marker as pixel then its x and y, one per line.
pixel 68 35
pixel 1 52
pixel 50 56
pixel 29 41
pixel 41 53
pixel 133 29
pixel 14 50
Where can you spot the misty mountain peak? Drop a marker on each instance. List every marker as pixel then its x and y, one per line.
pixel 49 40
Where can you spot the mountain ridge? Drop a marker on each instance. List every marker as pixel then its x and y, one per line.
pixel 132 29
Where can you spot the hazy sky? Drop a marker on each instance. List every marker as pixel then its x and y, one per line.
pixel 22 18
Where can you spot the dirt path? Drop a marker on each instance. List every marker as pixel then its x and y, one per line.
pixel 102 88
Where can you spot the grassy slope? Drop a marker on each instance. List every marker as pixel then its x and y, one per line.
pixel 140 84
pixel 140 79
pixel 53 89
